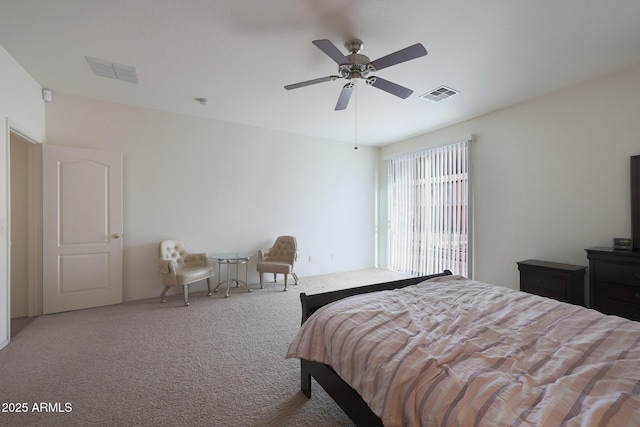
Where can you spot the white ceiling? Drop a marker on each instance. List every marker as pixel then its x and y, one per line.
pixel 240 54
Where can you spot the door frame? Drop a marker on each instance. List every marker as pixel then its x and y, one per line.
pixel 7 126
pixel 34 220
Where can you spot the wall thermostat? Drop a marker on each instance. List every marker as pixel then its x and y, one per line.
pixel 622 243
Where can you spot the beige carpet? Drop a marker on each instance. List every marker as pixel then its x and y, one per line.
pixel 219 362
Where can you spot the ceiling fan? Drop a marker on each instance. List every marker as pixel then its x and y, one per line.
pixel 355 66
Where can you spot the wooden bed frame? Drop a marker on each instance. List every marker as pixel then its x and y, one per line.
pixel 346 397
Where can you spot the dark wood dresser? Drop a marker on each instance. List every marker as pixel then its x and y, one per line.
pixel 614 278
pixel 563 282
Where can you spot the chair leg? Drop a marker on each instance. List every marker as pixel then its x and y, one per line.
pixel 164 293
pixel 261 277
pixel 285 282
pixel 186 295
pixel 275 278
pixel 209 286
pixel 295 277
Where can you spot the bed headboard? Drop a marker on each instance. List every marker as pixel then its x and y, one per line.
pixel 310 303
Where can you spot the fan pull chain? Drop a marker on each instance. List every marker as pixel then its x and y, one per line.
pixel 356 142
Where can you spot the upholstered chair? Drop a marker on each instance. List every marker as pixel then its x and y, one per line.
pixel 279 259
pixel 180 268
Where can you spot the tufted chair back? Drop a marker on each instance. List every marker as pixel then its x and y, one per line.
pixel 285 249
pixel 173 250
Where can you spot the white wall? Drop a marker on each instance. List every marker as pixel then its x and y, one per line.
pixel 223 187
pixel 22 109
pixel 551 176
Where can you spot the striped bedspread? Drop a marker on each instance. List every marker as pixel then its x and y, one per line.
pixel 456 352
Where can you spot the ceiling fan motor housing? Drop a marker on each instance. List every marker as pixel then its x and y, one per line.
pixel 358 67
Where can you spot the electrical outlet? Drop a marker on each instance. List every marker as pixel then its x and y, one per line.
pixel 310 259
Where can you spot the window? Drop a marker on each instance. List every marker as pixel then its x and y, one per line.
pixel 429 211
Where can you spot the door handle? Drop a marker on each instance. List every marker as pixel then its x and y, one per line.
pixel 116 235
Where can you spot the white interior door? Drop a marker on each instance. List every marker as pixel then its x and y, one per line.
pixel 82 228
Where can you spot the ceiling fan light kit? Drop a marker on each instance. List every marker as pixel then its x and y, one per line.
pixel 355 66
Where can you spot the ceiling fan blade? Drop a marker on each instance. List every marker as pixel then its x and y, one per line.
pixel 345 95
pixel 311 82
pixel 387 86
pixel 331 51
pixel 403 55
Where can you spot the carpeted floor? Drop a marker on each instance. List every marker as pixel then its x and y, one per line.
pixel 19 324
pixel 219 362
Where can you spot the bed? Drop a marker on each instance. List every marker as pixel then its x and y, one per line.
pixel 445 350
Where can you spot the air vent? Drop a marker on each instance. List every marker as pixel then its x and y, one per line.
pixel 103 68
pixel 439 94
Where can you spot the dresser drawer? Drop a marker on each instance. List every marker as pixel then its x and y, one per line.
pixel 628 311
pixel 550 287
pixel 620 273
pixel 627 294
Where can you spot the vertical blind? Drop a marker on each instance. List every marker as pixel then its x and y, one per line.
pixel 429 211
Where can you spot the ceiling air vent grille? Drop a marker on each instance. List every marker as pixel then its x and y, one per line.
pixel 103 68
pixel 439 94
